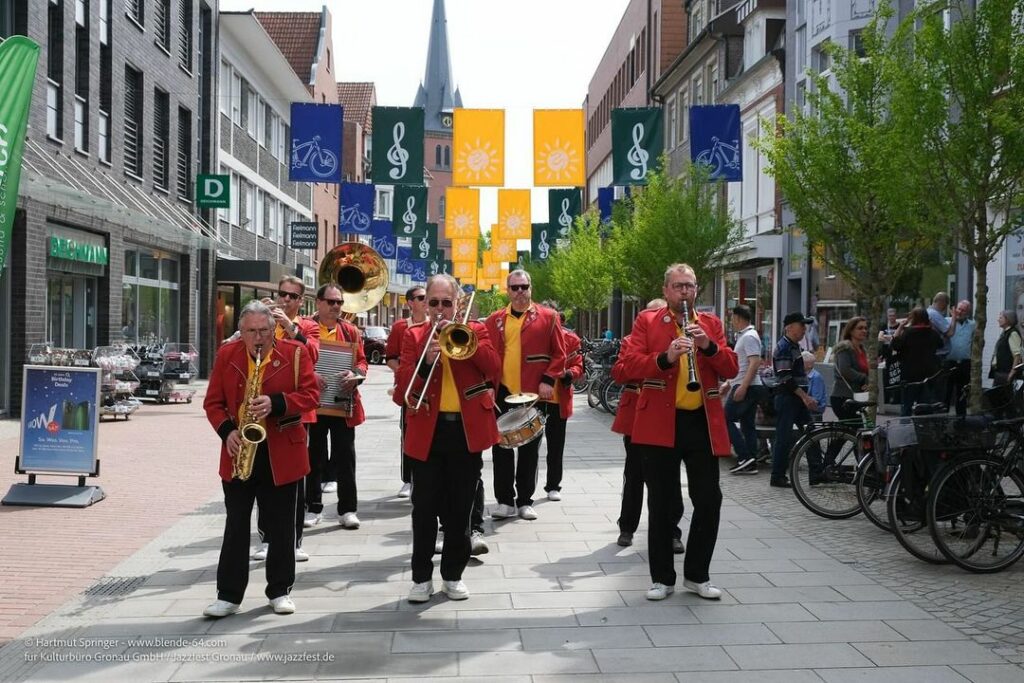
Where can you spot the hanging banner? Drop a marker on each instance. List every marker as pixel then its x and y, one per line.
pixel 559 149
pixel 513 215
pixel 18 59
pixel 316 143
pixel 465 272
pixel 503 250
pixel 605 200
pixel 381 228
pixel 419 270
pixel 462 213
pixel 424 247
pixel 490 271
pixel 397 146
pixel 464 251
pixel 385 244
pixel 356 211
pixel 404 259
pixel 715 140
pixel 637 143
pixel 522 258
pixel 563 207
pixel 541 242
pixel 409 212
pixel 437 266
pixel 479 142
pixel 59 419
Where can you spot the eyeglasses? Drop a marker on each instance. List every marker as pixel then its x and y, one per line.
pixel 681 286
pixel 332 302
pixel 519 288
pixel 434 303
pixel 418 297
pixel 258 332
pixel 291 295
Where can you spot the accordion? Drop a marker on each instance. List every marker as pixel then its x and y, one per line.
pixel 335 358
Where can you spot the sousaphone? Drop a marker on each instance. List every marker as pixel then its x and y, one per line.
pixel 359 272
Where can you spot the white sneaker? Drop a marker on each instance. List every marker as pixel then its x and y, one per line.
pixel 501 511
pixel 659 591
pixel 554 495
pixel 349 520
pixel 439 543
pixel 311 519
pixel 221 608
pixel 405 491
pixel 301 555
pixel 477 544
pixel 261 552
pixel 527 512
pixel 706 590
pixel 329 487
pixel 421 592
pixel 456 590
pixel 283 605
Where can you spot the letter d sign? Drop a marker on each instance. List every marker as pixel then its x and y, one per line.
pixel 213 191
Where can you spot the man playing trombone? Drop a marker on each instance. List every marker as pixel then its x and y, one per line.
pixel 444 381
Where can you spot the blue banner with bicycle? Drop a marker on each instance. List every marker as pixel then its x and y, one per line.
pixel 316 143
pixel 356 210
pixel 715 140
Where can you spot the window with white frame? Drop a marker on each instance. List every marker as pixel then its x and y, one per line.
pixel 697 90
pixel 670 105
pixel 225 88
pixel 713 82
pixel 681 100
pixel 250 207
pixel 252 107
pixel 235 204
pixel 236 98
pixel 382 210
pixel 284 142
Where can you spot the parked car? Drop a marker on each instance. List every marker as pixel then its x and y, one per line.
pixel 375 340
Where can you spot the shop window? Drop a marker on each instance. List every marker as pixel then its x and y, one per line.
pixel 150 301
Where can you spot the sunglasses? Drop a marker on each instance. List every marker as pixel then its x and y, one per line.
pixel 519 288
pixel 291 295
pixel 434 303
pixel 332 302
pixel 418 297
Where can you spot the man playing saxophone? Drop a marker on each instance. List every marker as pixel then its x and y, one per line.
pixel 272 392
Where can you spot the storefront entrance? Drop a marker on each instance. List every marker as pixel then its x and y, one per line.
pixel 753 287
pixel 71 310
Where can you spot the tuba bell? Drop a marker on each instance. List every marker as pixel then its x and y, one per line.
pixel 359 272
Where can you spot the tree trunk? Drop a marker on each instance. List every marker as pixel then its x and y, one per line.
pixel 978 340
pixel 875 392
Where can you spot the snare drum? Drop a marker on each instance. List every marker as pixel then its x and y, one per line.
pixel 520 426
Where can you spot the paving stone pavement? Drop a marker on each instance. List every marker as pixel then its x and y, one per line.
pixel 555 600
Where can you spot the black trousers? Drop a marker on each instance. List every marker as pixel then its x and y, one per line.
pixel 554 433
pixel 633 493
pixel 661 474
pixel 444 485
pixel 343 453
pixel 476 519
pixel 514 482
pixel 277 505
pixel 264 530
pixel 959 379
pixel 404 460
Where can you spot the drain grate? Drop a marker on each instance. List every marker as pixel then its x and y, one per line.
pixel 115 585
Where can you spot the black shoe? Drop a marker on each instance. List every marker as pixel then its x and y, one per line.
pixel 625 539
pixel 677 546
pixel 780 482
pixel 748 466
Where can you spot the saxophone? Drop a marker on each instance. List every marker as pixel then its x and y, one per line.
pixel 251 431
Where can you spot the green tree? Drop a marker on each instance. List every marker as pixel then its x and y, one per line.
pixel 540 280
pixel 852 171
pixel 673 219
pixel 581 275
pixel 489 300
pixel 976 154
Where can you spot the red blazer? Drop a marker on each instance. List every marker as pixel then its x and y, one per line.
pixel 573 368
pixel 623 422
pixel 654 422
pixel 473 380
pixel 393 348
pixel 309 336
pixel 541 342
pixel 290 398
pixel 350 333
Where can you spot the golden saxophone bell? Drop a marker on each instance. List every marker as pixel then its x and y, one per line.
pixel 359 272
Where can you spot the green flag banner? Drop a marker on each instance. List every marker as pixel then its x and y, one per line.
pixel 397 146
pixel 637 142
pixel 424 247
pixel 18 59
pixel 409 212
pixel 563 207
pixel 542 242
pixel 438 266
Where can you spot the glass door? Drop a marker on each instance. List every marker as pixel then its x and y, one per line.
pixel 71 311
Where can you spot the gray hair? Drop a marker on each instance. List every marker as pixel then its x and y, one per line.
pixel 1011 317
pixel 808 356
pixel 256 307
pixel 446 279
pixel 680 267
pixel 520 272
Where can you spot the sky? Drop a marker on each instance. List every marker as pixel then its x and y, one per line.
pixel 516 55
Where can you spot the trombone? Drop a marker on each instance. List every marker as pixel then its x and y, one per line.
pixel 457 340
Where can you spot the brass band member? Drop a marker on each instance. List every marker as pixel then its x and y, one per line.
pixel 558 414
pixel 416 299
pixel 274 394
pixel 674 422
pixel 341 430
pixel 529 341
pixel 445 437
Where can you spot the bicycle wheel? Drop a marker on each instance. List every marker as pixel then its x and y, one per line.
pixel 594 392
pixel 580 385
pixel 907 518
pixel 871 492
pixel 822 469
pixel 610 396
pixel 976 514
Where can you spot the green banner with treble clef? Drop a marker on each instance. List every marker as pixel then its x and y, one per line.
pixel 397 146
pixel 409 212
pixel 563 207
pixel 637 142
pixel 424 247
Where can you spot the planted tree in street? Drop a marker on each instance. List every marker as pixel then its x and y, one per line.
pixel 974 66
pixel 852 167
pixel 581 275
pixel 673 219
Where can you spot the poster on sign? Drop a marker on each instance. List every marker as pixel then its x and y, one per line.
pixel 59 420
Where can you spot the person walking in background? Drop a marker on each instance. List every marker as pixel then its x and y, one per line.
pixel 1007 353
pixel 815 387
pixel 958 362
pixel 918 345
pixel 792 401
pixel 851 372
pixel 747 391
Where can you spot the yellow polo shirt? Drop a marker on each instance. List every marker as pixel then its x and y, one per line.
pixel 686 399
pixel 328 335
pixel 449 392
pixel 279 331
pixel 512 366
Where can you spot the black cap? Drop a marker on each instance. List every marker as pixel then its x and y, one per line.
pixel 796 318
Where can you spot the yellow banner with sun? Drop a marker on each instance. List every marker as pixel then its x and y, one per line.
pixel 513 215
pixel 558 148
pixel 461 213
pixel 503 251
pixel 464 251
pixel 479 141
pixel 465 272
pixel 490 271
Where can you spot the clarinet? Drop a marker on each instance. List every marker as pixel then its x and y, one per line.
pixel 692 384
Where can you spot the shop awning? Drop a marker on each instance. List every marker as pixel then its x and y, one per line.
pixel 248 273
pixel 56 178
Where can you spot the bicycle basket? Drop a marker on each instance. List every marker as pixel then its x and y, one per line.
pixel 945 433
